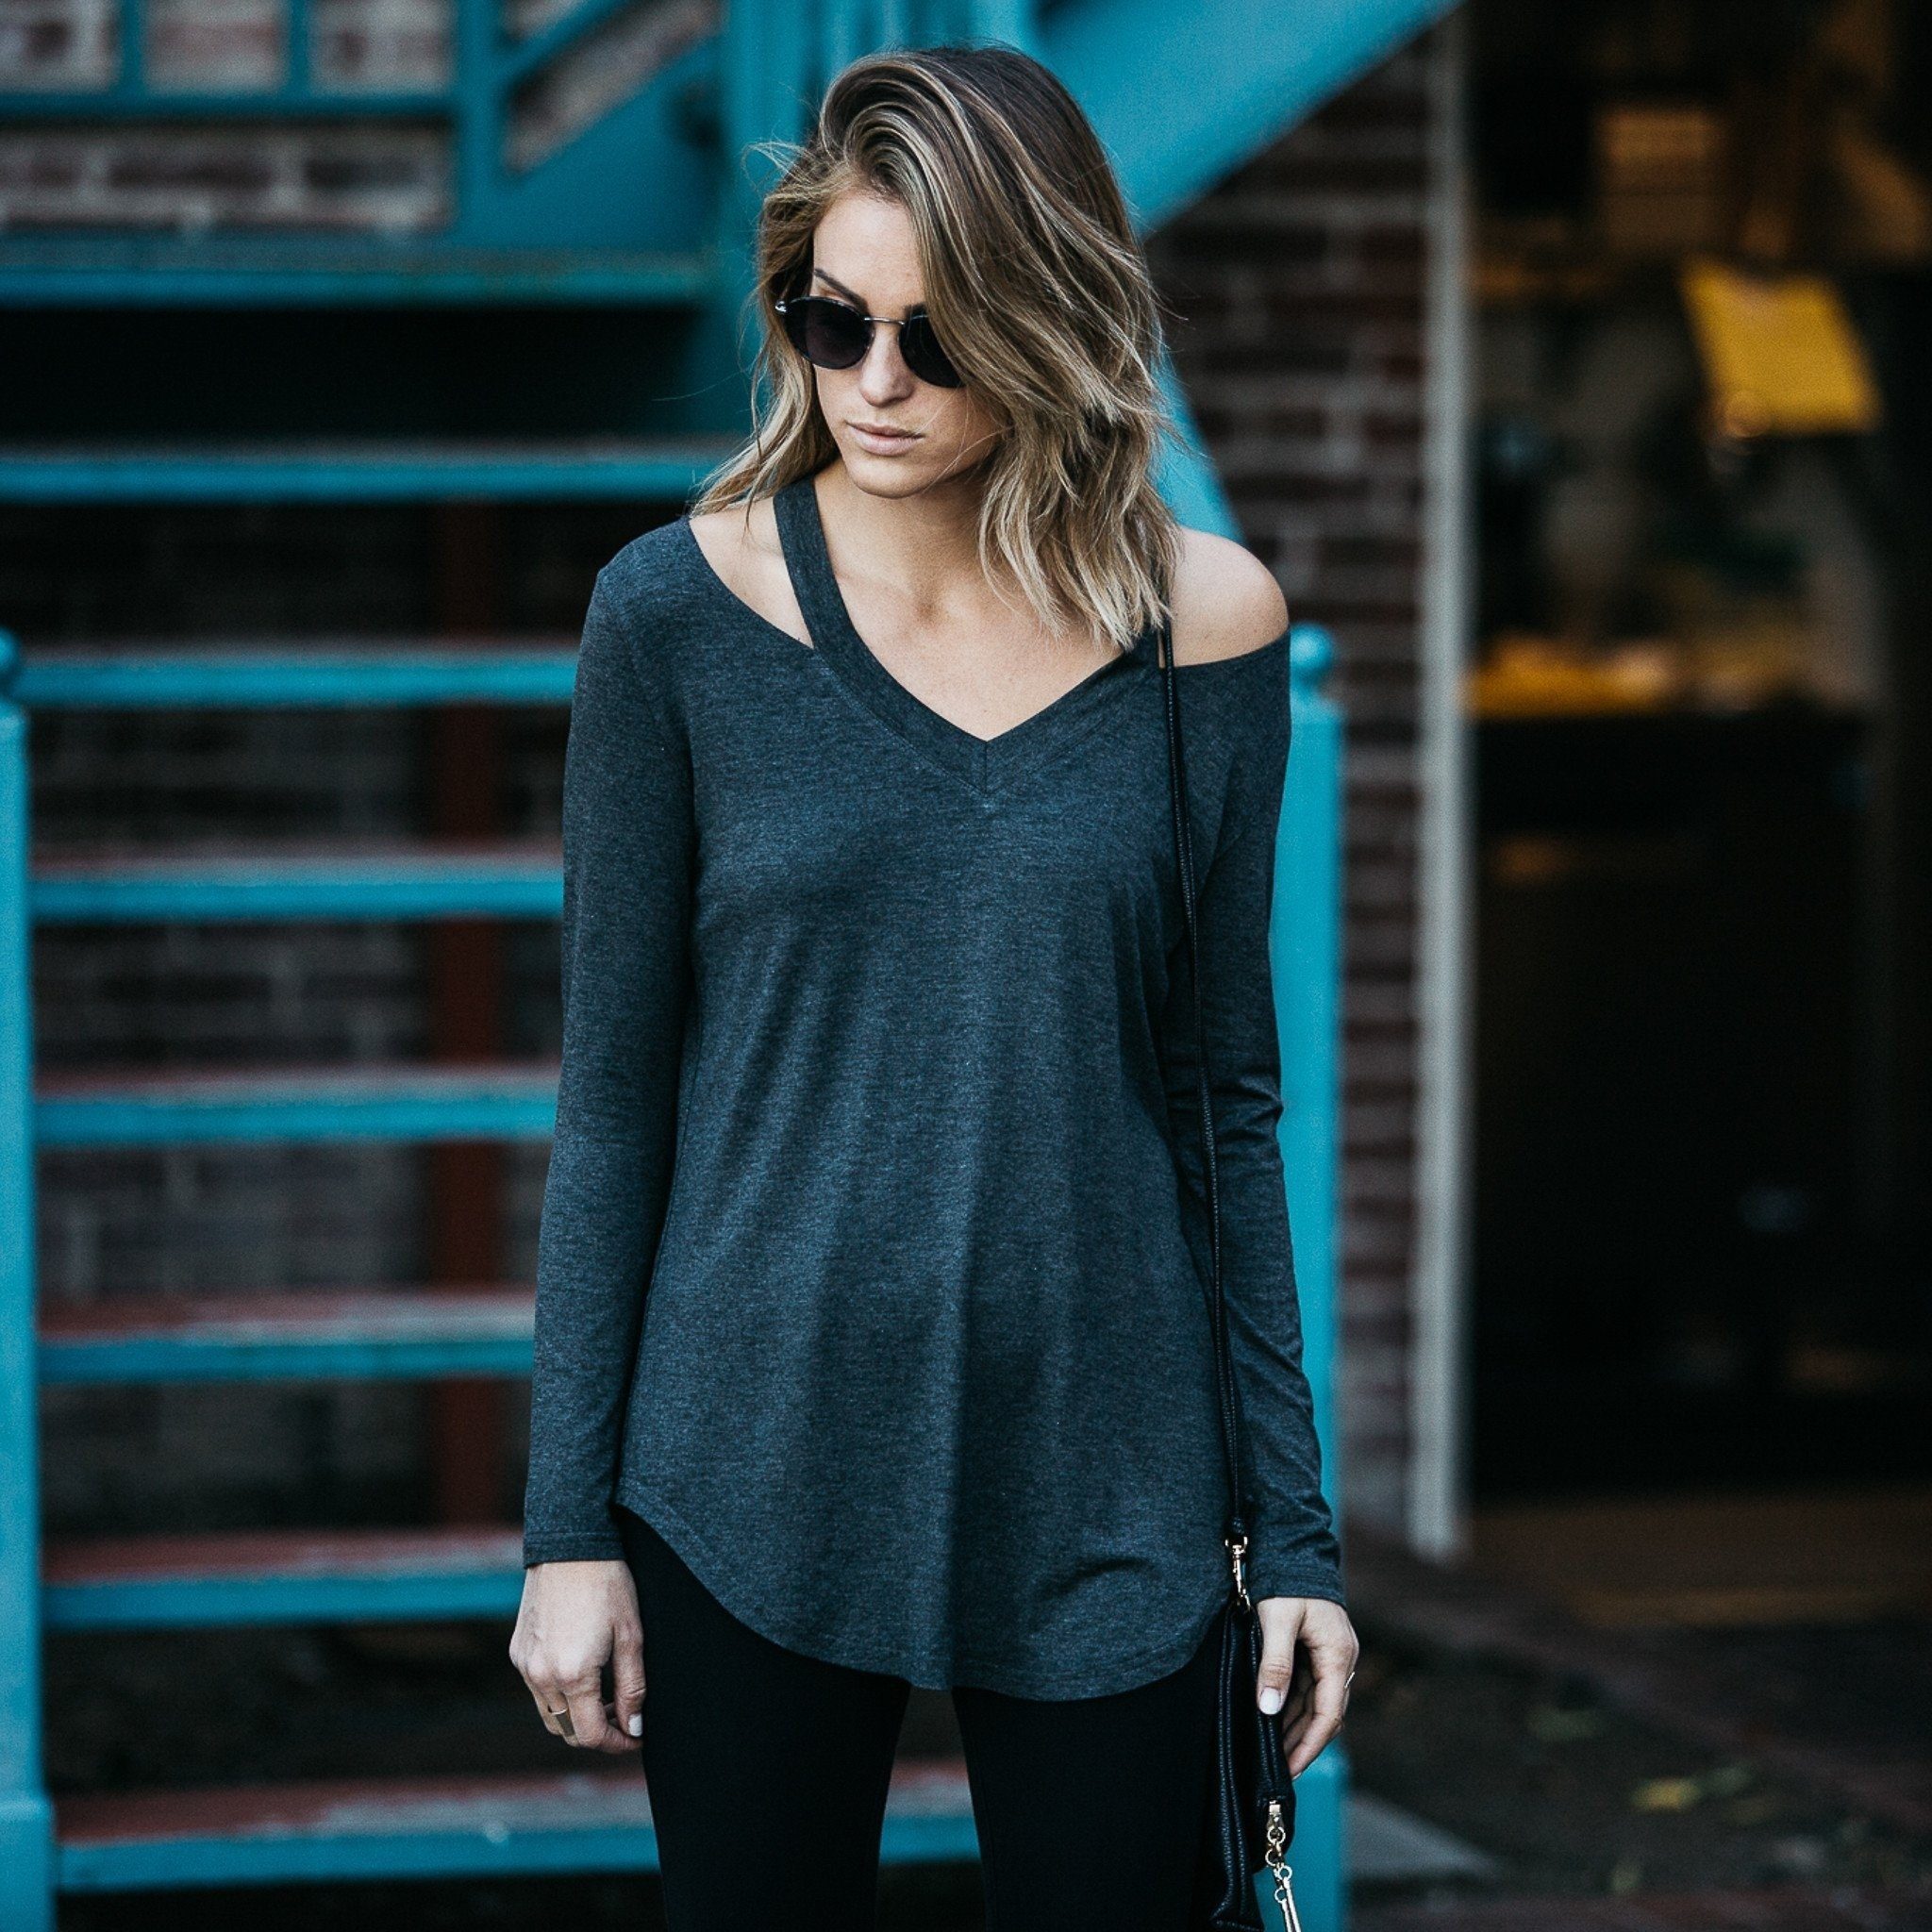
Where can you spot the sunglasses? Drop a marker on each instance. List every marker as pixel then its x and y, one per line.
pixel 834 335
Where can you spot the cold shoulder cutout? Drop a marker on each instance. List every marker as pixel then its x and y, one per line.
pixel 1228 603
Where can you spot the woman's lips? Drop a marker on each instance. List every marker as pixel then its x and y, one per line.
pixel 881 443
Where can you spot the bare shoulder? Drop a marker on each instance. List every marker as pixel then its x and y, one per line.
pixel 1227 602
pixel 740 544
pixel 728 536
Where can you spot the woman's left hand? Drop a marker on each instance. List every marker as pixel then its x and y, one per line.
pixel 1308 1681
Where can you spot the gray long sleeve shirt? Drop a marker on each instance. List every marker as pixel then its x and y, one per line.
pixel 873 1264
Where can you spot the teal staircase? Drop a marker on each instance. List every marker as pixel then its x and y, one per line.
pixel 623 249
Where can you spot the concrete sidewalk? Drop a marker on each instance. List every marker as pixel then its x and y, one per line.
pixel 1634 1778
pixel 1772 1909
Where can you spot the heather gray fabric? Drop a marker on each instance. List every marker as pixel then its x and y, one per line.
pixel 877 1070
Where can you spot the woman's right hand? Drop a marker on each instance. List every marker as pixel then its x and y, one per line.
pixel 574 1618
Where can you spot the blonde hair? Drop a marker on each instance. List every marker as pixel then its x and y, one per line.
pixel 1038 286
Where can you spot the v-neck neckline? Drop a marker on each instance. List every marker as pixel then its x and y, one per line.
pixel 982 762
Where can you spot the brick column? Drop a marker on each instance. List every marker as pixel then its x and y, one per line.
pixel 1302 282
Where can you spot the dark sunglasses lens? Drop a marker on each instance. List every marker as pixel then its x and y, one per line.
pixel 834 337
pixel 919 345
pixel 825 332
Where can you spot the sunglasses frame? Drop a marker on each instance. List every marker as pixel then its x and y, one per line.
pixel 789 303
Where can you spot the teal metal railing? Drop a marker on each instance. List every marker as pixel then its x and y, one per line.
pixel 26 1819
pixel 494 202
pixel 1304 949
pixel 537 230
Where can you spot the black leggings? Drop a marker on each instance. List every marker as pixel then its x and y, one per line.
pixel 767 1772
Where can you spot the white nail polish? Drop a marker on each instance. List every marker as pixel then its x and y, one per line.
pixel 637 1724
pixel 1271 1699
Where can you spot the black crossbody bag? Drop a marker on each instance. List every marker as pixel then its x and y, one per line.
pixel 1253 1812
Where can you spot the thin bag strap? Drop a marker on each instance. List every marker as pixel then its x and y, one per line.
pixel 1184 861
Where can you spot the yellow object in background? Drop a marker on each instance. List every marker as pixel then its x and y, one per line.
pixel 1779 352
pixel 1523 673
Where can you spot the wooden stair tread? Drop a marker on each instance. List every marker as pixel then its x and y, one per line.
pixel 258 1577
pixel 378 1807
pixel 592 1819
pixel 363 469
pixel 316 1333
pixel 315 880
pixel 285 1313
pixel 275 674
pixel 223 1083
pixel 385 1101
pixel 296 857
pixel 273 1553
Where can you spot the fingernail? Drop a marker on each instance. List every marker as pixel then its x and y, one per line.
pixel 637 1724
pixel 1271 1698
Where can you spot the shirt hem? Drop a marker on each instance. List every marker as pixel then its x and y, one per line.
pixel 741 1598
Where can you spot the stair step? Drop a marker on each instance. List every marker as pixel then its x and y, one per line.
pixel 152 271
pixel 363 1334
pixel 370 470
pixel 382 1828
pixel 162 676
pixel 446 881
pixel 281 1576
pixel 502 1101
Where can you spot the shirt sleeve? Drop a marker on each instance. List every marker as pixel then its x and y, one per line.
pixel 627 832
pixel 1293 1547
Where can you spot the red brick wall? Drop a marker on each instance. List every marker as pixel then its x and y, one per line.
pixel 291 176
pixel 1302 279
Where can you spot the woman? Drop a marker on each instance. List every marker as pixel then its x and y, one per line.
pixel 875 1069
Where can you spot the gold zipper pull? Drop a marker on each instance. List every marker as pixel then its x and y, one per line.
pixel 1236 1551
pixel 1283 1872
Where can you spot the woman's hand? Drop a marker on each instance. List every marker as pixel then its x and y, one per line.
pixel 1308 1685
pixel 574 1618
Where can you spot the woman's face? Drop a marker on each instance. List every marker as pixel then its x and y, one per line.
pixel 863 254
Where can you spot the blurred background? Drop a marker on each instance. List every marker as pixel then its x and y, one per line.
pixel 1571 367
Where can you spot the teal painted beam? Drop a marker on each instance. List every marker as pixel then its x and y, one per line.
pixel 1318 1857
pixel 164 105
pixel 1304 951
pixel 218 1582
pixel 298 1105
pixel 123 272
pixel 1183 99
pixel 26 1819
pixel 643 174
pixel 305 1334
pixel 1184 475
pixel 167 1364
pixel 325 1858
pixel 578 1821
pixel 291 677
pixel 516 62
pixel 298 49
pixel 334 471
pixel 1305 941
pixel 265 886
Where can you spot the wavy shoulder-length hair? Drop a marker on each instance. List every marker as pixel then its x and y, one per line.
pixel 1038 286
